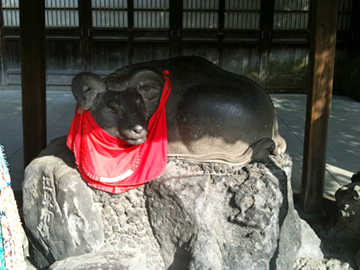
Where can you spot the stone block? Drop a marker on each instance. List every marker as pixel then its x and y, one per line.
pixel 196 215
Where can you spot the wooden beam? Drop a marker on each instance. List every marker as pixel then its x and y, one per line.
pixel 320 82
pixel 33 77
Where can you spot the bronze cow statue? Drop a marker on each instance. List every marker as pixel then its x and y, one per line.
pixel 211 114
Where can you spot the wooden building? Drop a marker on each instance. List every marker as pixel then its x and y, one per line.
pixel 265 40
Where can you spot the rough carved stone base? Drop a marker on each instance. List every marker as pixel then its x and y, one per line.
pixel 195 216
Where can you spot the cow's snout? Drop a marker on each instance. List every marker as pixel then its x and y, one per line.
pixel 135 135
pixel 138 132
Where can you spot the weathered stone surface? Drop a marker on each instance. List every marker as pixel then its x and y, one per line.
pixel 60 214
pixel 215 216
pixel 195 216
pixel 54 192
pixel 356 177
pixel 289 221
pixel 309 263
pixel 343 239
pixel 127 229
pixel 357 259
pixel 348 202
pixel 104 260
pixel 311 246
pixel 340 242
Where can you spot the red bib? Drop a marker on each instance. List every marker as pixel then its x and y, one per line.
pixel 112 165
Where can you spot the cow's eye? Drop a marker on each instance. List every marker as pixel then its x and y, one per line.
pixel 145 88
pixel 138 101
pixel 112 109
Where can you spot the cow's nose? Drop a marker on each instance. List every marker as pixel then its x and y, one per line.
pixel 138 129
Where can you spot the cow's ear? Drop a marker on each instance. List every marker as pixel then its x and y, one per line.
pixel 85 87
pixel 149 83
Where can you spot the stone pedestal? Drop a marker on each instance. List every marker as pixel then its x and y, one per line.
pixel 194 216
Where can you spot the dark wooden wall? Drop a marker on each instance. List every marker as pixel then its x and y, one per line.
pixel 266 40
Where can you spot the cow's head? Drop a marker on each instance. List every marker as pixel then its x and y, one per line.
pixel 121 104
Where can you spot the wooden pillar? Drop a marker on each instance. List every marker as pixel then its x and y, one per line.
pixel 353 90
pixel 2 67
pixel 85 28
pixel 266 27
pixel 221 31
pixel 176 11
pixel 320 82
pixel 33 77
pixel 131 49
